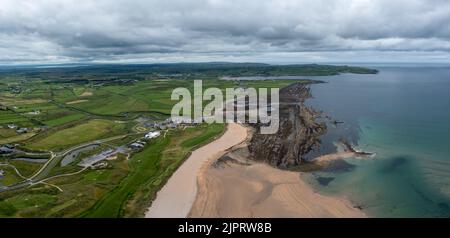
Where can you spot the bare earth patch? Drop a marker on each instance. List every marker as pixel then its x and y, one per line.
pixel 76 101
pixel 86 94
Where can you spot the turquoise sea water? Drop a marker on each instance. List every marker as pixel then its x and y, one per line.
pixel 403 115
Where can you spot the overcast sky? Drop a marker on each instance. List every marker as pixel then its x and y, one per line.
pixel 278 31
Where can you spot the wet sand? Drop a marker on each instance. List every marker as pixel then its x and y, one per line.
pixel 256 190
pixel 175 199
pixel 237 187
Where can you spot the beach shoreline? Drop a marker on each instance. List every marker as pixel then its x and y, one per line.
pixel 235 186
pixel 176 197
pixel 261 191
pixel 242 187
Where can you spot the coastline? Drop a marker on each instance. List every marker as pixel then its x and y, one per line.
pixel 261 191
pixel 175 199
pixel 207 185
pixel 233 186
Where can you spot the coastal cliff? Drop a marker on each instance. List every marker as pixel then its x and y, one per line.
pixel 298 134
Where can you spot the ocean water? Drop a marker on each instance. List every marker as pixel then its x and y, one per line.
pixel 403 115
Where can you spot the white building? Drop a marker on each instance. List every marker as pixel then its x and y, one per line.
pixel 12 126
pixel 180 120
pixel 152 135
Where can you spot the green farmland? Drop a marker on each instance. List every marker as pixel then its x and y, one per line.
pixel 60 121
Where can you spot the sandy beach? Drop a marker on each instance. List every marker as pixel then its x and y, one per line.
pixel 175 199
pixel 208 186
pixel 260 191
pixel 234 187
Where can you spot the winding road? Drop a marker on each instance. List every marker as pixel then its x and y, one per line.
pixel 55 157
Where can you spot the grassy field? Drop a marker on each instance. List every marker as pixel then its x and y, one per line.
pixel 79 193
pixel 78 134
pixel 10 177
pixel 82 113
pixel 25 168
pixel 58 105
pixel 125 189
pixel 16 138
pixel 65 119
pixel 149 96
pixel 8 117
pixel 149 171
pixel 67 107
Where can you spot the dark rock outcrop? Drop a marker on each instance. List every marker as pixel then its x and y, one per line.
pixel 298 133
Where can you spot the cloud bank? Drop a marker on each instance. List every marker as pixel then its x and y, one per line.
pixel 230 30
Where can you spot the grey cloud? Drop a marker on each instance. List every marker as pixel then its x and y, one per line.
pixel 69 30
